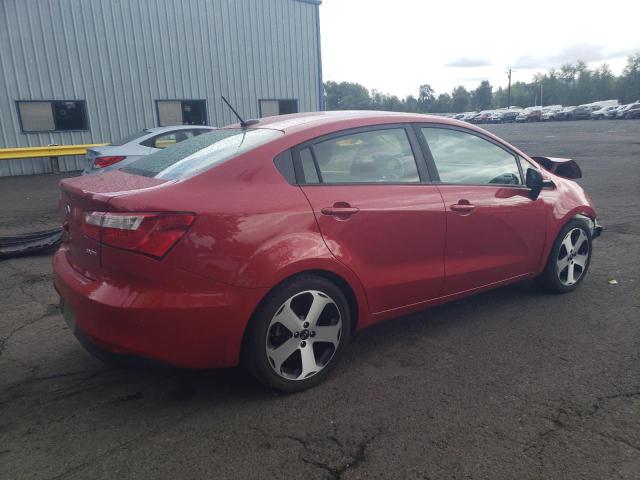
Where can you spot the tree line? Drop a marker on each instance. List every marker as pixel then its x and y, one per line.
pixel 572 84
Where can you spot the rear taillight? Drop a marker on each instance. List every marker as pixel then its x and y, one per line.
pixel 148 233
pixel 101 162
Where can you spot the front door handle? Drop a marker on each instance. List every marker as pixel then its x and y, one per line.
pixel 341 210
pixel 463 207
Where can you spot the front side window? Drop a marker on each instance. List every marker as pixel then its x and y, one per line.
pixel 181 112
pixel 375 156
pixel 464 158
pixel 52 116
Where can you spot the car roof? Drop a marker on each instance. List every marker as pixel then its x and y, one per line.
pixel 298 122
pixel 175 127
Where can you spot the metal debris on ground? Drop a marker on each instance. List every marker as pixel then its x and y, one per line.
pixel 29 243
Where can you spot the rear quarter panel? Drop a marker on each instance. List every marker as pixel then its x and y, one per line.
pixel 252 228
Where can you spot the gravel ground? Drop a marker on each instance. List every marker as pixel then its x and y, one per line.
pixel 512 384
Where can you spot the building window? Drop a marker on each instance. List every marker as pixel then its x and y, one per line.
pixel 181 112
pixel 52 116
pixel 269 108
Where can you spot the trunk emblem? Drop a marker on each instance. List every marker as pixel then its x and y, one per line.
pixel 93 253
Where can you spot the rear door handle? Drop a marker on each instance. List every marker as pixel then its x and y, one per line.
pixel 340 210
pixel 463 206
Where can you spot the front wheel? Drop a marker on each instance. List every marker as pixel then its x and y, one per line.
pixel 298 334
pixel 569 258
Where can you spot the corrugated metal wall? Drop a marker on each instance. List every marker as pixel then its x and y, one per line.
pixel 122 55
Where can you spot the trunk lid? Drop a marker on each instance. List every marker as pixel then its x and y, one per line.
pixel 92 194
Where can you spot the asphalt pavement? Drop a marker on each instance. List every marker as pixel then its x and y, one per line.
pixel 509 384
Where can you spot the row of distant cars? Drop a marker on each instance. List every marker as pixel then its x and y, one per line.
pixel 607 109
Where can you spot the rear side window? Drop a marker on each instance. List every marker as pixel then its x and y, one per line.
pixel 375 156
pixel 464 158
pixel 200 153
pixel 168 139
pixel 130 138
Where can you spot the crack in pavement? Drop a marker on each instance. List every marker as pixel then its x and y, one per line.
pixel 354 452
pixel 559 424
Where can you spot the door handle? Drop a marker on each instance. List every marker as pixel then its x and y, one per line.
pixel 340 210
pixel 463 206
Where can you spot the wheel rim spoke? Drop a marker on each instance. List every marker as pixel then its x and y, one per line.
pixel 568 245
pixel 316 308
pixel 288 318
pixel 579 241
pixel 280 354
pixel 570 278
pixel 563 263
pixel 328 334
pixel 309 364
pixel 581 260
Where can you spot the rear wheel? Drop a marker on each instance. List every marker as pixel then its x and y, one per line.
pixel 569 258
pixel 298 334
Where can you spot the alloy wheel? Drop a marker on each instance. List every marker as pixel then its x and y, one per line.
pixel 303 335
pixel 573 257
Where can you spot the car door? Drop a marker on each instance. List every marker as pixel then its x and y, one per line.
pixel 495 231
pixel 377 211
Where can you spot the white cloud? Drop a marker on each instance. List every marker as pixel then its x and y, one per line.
pixel 395 47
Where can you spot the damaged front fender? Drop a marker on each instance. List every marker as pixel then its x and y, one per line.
pixel 563 167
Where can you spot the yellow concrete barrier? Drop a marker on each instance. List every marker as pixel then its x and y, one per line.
pixel 51 151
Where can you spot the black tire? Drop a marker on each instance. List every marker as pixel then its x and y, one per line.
pixel 254 355
pixel 553 277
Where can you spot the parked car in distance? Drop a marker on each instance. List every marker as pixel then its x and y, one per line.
pixel 469 116
pixel 126 150
pixel 613 113
pixel 566 113
pixel 509 116
pixel 633 111
pixel 495 117
pixel 252 246
pixel 550 112
pixel 485 116
pixel 582 112
pixel 603 113
pixel 530 114
pixel 458 116
pixel 622 110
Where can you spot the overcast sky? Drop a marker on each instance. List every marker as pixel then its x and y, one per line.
pixel 395 46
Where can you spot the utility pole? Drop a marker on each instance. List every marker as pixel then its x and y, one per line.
pixel 509 91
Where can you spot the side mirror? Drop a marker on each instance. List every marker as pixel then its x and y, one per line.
pixel 534 182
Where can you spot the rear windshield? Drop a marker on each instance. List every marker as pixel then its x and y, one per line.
pixel 130 138
pixel 200 153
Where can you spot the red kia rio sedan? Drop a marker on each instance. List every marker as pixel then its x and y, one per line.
pixel 269 245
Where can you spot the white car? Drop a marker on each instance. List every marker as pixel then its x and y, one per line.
pixel 603 112
pixel 118 154
pixel 550 113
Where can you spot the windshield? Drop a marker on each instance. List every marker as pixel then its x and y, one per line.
pixel 200 153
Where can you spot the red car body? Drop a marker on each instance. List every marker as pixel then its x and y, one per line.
pixel 399 249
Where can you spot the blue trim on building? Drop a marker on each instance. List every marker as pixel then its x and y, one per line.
pixel 320 84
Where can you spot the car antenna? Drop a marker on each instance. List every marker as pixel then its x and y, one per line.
pixel 243 123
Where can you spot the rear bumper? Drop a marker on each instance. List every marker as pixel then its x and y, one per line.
pixel 194 324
